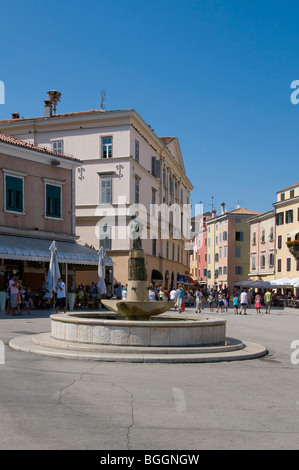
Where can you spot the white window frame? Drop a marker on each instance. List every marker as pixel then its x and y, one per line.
pixel 57 146
pixel 106 149
pixel 52 182
pixel 14 174
pixel 107 200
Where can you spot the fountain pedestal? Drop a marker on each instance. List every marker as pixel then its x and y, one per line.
pixel 137 306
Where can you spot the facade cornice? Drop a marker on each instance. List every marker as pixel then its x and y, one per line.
pixel 286 202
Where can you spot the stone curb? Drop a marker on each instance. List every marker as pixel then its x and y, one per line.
pixel 32 344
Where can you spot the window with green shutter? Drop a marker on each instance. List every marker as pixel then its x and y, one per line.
pixel 53 201
pixel 14 194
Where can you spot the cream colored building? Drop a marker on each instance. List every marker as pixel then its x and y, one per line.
pixel 126 168
pixel 287 232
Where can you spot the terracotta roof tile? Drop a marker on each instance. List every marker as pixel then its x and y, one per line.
pixel 8 139
pixel 57 116
pixel 244 211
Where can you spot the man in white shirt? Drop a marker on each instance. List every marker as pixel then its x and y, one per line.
pixel 61 296
pixel 243 302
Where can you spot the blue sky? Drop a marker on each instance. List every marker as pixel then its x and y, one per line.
pixel 216 74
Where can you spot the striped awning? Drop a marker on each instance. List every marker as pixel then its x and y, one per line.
pixel 37 249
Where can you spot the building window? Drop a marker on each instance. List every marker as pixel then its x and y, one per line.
pixel 263 237
pixel 137 151
pixel 279 218
pixel 105 236
pixel 53 201
pixel 271 259
pixel 289 265
pixel 106 190
pixel 289 217
pixel 279 265
pixel 239 236
pixel 263 261
pixel 271 236
pixel 57 146
pixel 137 190
pixel 254 237
pixel 225 236
pixel 224 270
pixel 239 270
pixel 279 241
pixel 238 252
pixel 173 252
pixel 253 262
pixel 14 193
pixel 156 167
pixel 154 246
pixel 225 252
pixel 282 196
pixel 167 249
pixel 106 147
pixel 292 193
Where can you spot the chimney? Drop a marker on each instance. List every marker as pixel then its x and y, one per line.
pixel 15 116
pixel 48 108
pixel 213 213
pixel 223 208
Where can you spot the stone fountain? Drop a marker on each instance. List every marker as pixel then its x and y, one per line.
pixel 137 305
pixel 136 331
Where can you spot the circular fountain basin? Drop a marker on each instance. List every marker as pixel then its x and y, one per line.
pixel 167 331
pixel 137 309
pixel 165 339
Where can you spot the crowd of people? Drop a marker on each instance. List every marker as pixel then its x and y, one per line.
pixel 20 298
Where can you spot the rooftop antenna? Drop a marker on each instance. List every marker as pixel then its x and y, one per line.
pixel 103 96
pixel 238 204
pixel 54 97
pixel 212 203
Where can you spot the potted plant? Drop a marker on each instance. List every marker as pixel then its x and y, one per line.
pixel 71 296
pixel 293 246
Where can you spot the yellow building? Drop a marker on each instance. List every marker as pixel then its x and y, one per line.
pixel 287 232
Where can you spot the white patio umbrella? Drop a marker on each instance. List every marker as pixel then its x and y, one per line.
pixel 284 281
pixel 54 271
pixel 102 289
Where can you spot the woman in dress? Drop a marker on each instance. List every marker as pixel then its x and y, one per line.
pixel 258 303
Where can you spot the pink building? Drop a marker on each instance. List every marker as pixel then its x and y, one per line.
pixel 37 206
pixel 262 246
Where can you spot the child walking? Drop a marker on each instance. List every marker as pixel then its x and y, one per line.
pixel 236 304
